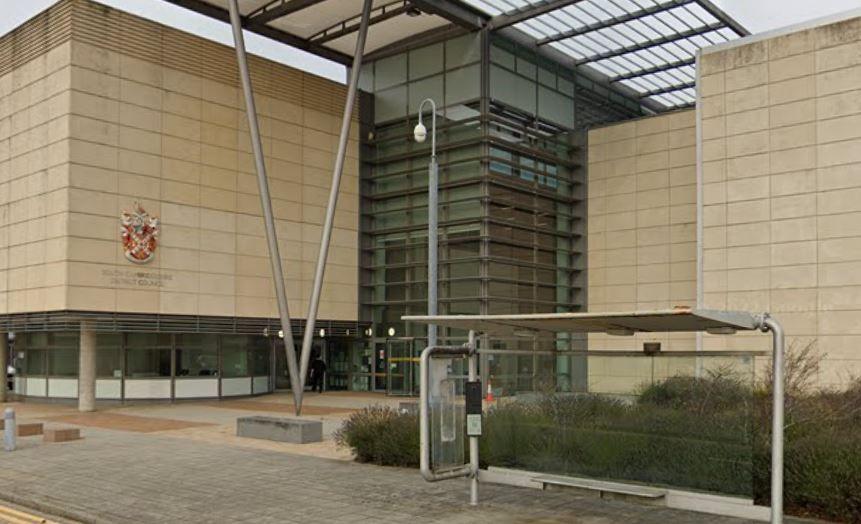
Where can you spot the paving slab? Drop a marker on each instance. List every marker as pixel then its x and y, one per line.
pixel 123 476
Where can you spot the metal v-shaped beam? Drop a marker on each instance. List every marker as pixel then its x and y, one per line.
pixel 314 304
pixel 265 202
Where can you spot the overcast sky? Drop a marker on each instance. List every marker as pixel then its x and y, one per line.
pixel 756 15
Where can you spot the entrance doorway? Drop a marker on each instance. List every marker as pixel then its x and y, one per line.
pixel 402 377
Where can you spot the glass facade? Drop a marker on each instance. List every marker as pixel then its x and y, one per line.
pixel 129 362
pixel 511 199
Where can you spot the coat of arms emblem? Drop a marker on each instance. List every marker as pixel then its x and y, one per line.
pixel 139 233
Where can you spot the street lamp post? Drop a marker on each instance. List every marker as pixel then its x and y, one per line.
pixel 420 134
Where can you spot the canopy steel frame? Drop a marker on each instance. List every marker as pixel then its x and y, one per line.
pixel 265 202
pixel 266 30
pixel 651 43
pixel 326 237
pixel 656 69
pixel 457 13
pixel 526 13
pixel 276 9
pixel 617 20
pixel 384 12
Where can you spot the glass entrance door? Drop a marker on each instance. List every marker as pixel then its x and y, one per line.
pixel 402 369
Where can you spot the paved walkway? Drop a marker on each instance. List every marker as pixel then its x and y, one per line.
pixel 140 464
pixel 113 476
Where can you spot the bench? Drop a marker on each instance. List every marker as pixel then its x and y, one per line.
pixel 293 430
pixel 604 489
pixel 25 430
pixel 62 435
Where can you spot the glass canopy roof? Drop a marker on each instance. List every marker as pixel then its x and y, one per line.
pixel 647 45
pixel 645 48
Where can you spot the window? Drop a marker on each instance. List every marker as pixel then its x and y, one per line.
pixel 234 356
pixel 148 355
pixel 196 355
pixel 63 361
pixel 109 355
pixel 261 351
pixel 34 362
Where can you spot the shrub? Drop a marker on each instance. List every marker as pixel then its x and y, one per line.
pixel 711 433
pixel 719 391
pixel 381 435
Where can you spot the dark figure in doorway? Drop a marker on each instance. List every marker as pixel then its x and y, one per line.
pixel 318 372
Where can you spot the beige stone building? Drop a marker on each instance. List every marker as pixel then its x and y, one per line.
pixel 733 186
pixel 774 147
pixel 101 111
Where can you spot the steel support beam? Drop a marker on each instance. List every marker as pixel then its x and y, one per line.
pixel 669 89
pixel 654 69
pixel 266 203
pixel 627 17
pixel 455 12
pixel 384 12
pixel 532 11
pixel 277 9
pixel 719 13
pixel 651 43
pixel 352 88
pixel 264 30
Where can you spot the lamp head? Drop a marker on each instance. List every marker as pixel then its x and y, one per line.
pixel 420 133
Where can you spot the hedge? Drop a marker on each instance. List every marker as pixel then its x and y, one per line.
pixel 710 434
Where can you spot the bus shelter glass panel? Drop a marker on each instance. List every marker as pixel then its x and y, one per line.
pixel 447 416
pixel 689 422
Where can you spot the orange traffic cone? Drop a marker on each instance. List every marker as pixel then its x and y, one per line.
pixel 489 397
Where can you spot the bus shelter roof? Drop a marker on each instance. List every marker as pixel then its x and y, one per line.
pixel 616 323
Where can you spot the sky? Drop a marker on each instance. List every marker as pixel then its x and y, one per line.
pixel 756 15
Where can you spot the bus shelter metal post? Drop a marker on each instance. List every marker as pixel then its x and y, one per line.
pixel 473 440
pixel 467 470
pixel 266 203
pixel 326 237
pixel 768 323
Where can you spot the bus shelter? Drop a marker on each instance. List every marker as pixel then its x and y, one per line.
pixel 677 320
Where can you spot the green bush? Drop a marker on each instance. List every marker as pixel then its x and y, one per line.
pixel 381 435
pixel 710 434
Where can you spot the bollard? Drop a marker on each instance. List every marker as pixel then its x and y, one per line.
pixel 9 429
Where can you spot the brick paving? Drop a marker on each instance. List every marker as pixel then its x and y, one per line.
pixel 121 476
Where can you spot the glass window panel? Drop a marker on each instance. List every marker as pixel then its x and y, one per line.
pixel 428 88
pixel 34 362
pixel 390 104
pixel 555 107
pixel 462 85
pixel 109 355
pixel 526 67
pixel 502 57
pixel 63 361
pixel 147 362
pixel 261 350
pixel 234 356
pixel 463 50
pixel 462 289
pixel 196 355
pixel 426 61
pixel 390 71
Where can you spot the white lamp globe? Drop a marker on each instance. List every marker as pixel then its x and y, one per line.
pixel 420 133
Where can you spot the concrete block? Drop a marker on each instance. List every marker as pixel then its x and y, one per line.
pixel 296 431
pixel 62 435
